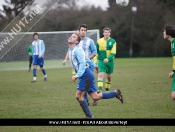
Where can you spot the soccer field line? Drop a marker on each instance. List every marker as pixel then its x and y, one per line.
pixel 24 65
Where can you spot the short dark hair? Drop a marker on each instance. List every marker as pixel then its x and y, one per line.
pixel 35 34
pixel 170 30
pixel 84 26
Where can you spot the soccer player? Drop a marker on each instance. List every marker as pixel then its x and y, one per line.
pixel 106 50
pixel 85 76
pixel 88 45
pixel 29 51
pixel 169 34
pixel 38 49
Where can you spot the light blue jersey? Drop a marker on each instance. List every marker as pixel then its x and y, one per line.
pixel 38 47
pixel 79 61
pixel 88 45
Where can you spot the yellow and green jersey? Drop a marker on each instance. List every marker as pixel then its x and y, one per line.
pixel 105 49
pixel 173 52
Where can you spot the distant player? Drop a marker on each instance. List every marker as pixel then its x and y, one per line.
pixel 169 34
pixel 29 51
pixel 106 51
pixel 88 45
pixel 85 76
pixel 38 49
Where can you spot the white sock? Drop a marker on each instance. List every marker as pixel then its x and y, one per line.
pixel 45 75
pixel 34 78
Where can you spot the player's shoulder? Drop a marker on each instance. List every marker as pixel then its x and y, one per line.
pixel 112 40
pixel 173 42
pixel 100 40
pixel 78 49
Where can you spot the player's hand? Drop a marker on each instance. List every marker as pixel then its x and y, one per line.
pixel 64 62
pixel 96 69
pixel 74 78
pixel 105 60
pixel 171 74
pixel 39 56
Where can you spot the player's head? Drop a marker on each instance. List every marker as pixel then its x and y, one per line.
pixel 169 31
pixel 74 39
pixel 36 36
pixel 83 30
pixel 106 32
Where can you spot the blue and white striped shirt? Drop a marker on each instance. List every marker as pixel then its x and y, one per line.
pixel 38 47
pixel 88 46
pixel 79 61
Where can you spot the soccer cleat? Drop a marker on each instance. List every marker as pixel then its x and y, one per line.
pixel 89 117
pixel 33 81
pixel 95 103
pixel 45 79
pixel 119 96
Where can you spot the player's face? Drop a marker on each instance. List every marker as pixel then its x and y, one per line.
pixel 73 39
pixel 36 37
pixel 164 35
pixel 83 32
pixel 106 34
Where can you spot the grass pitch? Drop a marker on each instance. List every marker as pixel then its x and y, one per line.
pixel 144 84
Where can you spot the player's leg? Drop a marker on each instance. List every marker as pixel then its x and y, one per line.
pixel 73 72
pixel 173 88
pixel 101 67
pixel 41 64
pixel 86 97
pixel 107 95
pixel 35 58
pixel 30 63
pixel 84 84
pixel 83 103
pixel 109 71
pixel 104 95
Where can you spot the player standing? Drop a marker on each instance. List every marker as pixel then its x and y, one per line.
pixel 169 34
pixel 85 76
pixel 38 49
pixel 29 51
pixel 106 50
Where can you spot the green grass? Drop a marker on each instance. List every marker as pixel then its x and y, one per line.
pixel 144 83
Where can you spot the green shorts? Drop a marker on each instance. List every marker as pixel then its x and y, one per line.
pixel 173 83
pixel 106 67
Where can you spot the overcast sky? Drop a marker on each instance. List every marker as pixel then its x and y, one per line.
pixel 102 3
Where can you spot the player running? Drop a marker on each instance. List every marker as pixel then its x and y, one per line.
pixel 85 76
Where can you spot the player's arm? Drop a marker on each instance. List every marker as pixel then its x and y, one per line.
pixel 96 57
pixel 93 49
pixel 80 56
pixel 28 49
pixel 66 58
pixel 113 52
pixel 91 64
pixel 173 54
pixel 42 48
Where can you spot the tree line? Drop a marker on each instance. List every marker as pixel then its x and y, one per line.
pixel 143 29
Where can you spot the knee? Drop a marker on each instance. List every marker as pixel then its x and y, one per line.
pixel 78 98
pixel 100 75
pixel 173 95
